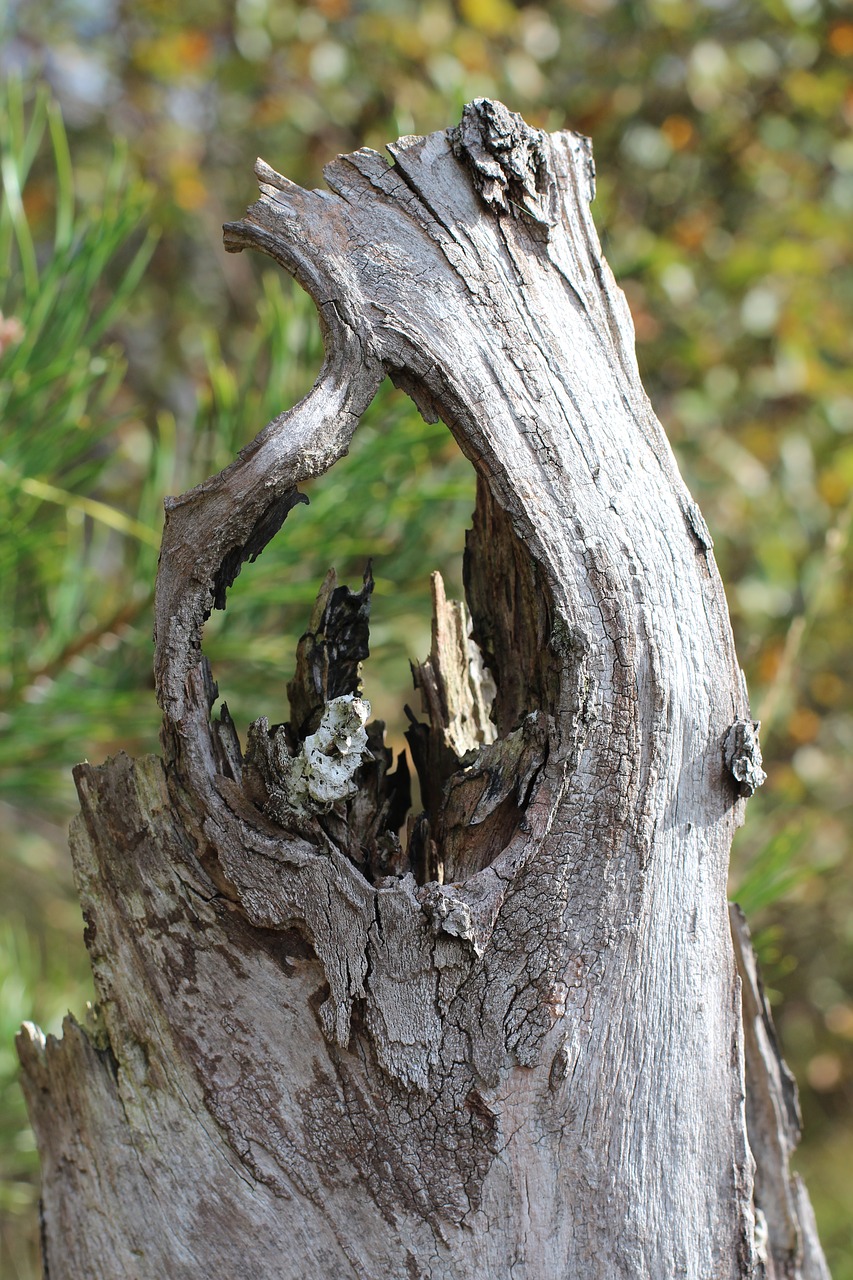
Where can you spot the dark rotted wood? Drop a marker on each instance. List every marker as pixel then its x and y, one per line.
pixel 330 653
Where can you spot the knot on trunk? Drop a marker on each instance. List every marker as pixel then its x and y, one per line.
pixel 742 754
pixel 508 159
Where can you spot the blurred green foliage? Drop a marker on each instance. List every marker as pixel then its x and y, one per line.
pixel 722 133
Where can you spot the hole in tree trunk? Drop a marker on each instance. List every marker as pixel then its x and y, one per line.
pixel 475 727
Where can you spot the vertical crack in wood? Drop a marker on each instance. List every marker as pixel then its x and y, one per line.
pixel 790 1247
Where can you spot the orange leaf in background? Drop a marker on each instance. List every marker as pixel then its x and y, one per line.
pixel 190 192
pixel 678 132
pixel 768 663
pixel 692 230
pixel 170 57
pixel 841 39
pixel 828 688
pixel 804 725
pixel 38 202
pixel 193 48
pixel 271 109
pixel 333 9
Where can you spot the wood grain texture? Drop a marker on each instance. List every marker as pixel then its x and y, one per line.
pixel 319 1056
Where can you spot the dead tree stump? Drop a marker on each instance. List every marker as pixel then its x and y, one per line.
pixel 512 1044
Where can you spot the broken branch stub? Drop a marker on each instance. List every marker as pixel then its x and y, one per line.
pixel 475 1056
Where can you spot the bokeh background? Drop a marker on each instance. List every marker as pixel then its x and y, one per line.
pixel 136 357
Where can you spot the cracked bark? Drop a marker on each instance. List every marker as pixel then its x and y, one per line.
pixel 515 1046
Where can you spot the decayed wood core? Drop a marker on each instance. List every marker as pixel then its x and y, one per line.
pixel 514 1047
pixel 476 778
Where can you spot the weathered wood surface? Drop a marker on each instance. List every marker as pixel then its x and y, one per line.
pixel 514 1047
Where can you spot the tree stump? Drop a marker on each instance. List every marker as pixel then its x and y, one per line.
pixel 504 1036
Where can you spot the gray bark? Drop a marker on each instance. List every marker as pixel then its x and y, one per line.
pixel 514 1046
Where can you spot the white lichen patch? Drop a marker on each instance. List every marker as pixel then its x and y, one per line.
pixel 324 770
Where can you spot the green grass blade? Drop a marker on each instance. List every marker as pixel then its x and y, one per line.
pixel 64 178
pixel 92 507
pixel 15 205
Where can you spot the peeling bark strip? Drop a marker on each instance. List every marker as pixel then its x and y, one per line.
pixel 515 1046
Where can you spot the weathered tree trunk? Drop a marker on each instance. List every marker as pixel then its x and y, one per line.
pixel 515 1047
